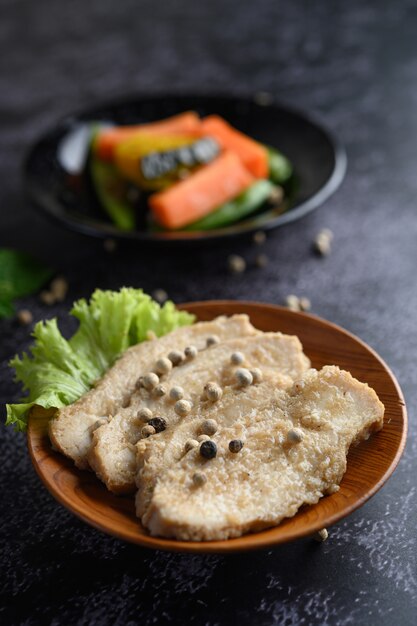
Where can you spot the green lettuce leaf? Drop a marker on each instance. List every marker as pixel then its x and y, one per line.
pixel 58 371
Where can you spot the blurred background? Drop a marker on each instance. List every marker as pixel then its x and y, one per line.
pixel 350 66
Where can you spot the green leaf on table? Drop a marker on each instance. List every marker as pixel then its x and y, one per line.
pixel 20 275
pixel 6 308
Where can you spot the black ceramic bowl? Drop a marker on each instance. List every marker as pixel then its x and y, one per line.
pixel 59 189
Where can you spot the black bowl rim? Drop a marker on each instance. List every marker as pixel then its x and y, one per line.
pixel 52 209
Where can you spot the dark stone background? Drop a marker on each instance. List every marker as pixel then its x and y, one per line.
pixel 352 64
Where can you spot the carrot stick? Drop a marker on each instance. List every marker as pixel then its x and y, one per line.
pixel 201 193
pixel 252 154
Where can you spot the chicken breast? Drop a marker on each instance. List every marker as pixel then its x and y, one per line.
pixel 71 430
pixel 112 455
pixel 294 452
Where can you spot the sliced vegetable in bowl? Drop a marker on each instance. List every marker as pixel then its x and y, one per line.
pixel 252 154
pixel 154 163
pixel 184 169
pixel 60 184
pixel 243 205
pixel 200 194
pixel 110 138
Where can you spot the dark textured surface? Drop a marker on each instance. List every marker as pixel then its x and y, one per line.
pixel 354 66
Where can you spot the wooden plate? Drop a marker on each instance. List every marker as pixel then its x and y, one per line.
pixel 369 465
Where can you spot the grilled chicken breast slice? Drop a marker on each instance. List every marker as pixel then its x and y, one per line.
pixel 72 428
pixel 273 475
pixel 112 455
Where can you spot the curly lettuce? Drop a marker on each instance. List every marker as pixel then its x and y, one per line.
pixel 57 371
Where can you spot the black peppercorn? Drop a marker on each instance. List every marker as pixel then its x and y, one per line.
pixel 235 445
pixel 158 423
pixel 208 449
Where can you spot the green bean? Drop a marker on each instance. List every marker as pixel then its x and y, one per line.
pixel 245 204
pixel 280 169
pixel 109 187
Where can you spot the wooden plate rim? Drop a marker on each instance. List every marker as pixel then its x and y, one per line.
pixel 262 539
